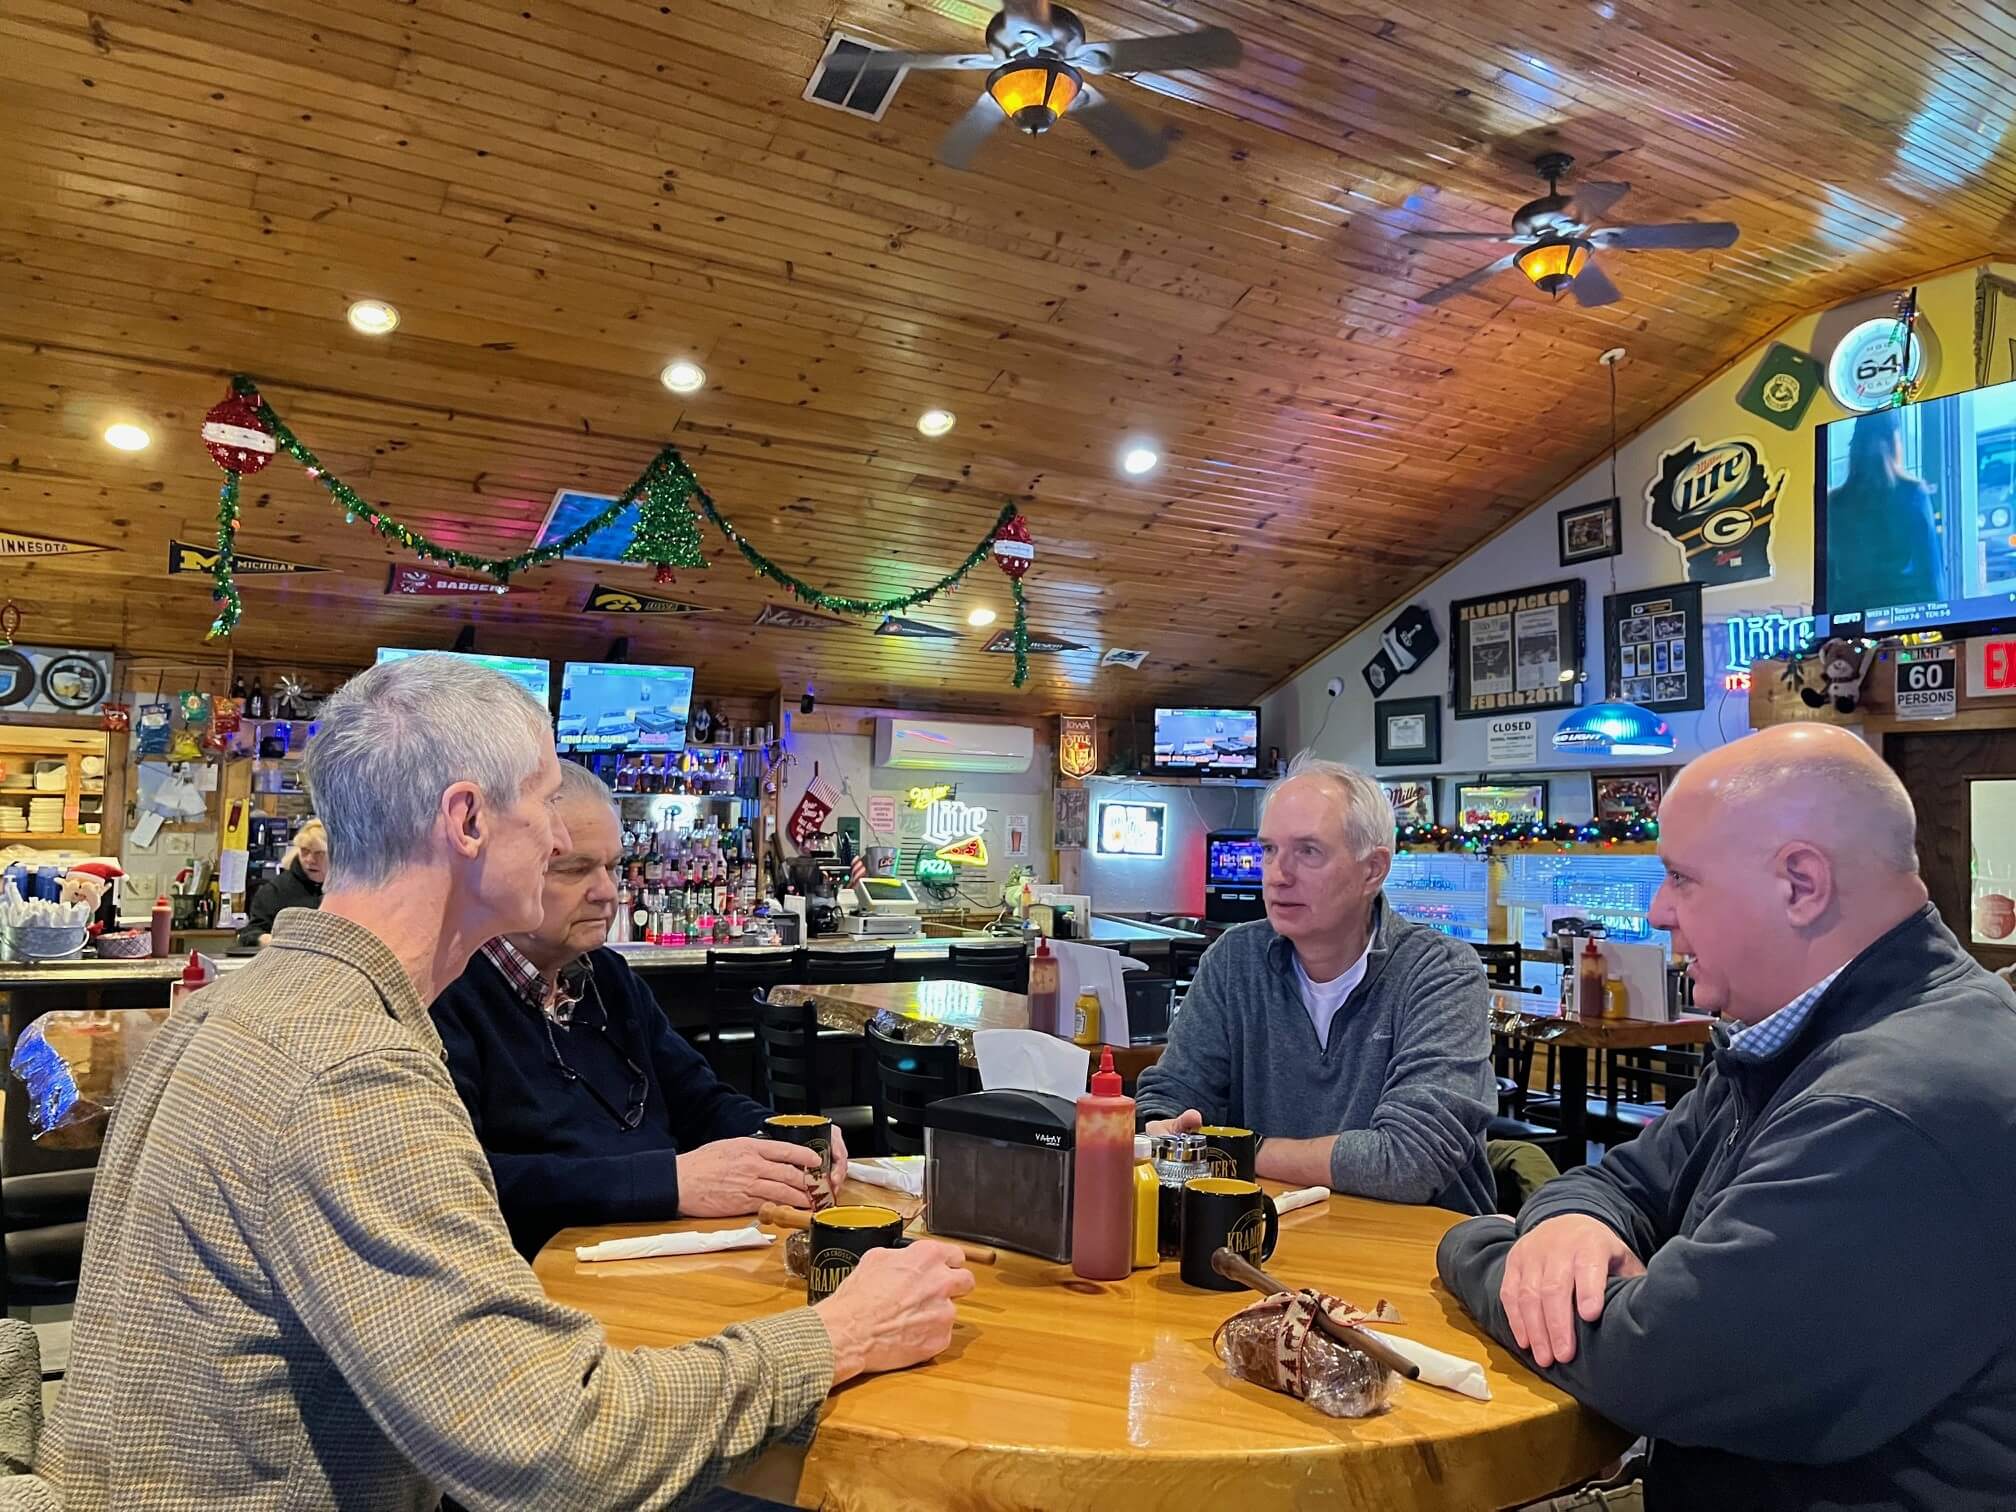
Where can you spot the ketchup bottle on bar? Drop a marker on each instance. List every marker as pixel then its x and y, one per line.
pixel 1043 985
pixel 1102 1183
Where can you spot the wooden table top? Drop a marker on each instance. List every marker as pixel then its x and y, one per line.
pixel 1544 1018
pixel 941 1011
pixel 1059 1392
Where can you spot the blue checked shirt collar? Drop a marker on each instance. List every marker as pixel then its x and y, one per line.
pixel 1765 1038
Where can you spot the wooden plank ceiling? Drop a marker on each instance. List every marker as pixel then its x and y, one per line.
pixel 560 196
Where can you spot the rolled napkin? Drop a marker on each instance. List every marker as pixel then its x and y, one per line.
pixel 649 1246
pixel 899 1173
pixel 1451 1372
pixel 1287 1202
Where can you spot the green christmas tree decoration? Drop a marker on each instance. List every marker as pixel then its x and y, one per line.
pixel 667 535
pixel 223 578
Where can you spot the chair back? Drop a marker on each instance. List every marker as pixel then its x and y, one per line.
pixel 827 968
pixel 1183 958
pixel 1504 965
pixel 1004 965
pixel 732 973
pixel 787 1054
pixel 1148 1002
pixel 908 1079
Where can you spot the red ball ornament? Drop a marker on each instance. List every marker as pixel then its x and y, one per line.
pixel 663 574
pixel 237 439
pixel 1012 549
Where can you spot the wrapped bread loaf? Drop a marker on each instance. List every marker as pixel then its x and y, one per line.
pixel 1275 1343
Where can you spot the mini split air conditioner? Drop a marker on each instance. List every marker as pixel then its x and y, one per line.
pixel 936 745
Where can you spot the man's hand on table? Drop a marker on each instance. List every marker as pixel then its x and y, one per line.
pixel 1554 1273
pixel 895 1309
pixel 731 1177
pixel 1183 1123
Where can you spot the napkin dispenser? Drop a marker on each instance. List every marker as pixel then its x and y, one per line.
pixel 997 1170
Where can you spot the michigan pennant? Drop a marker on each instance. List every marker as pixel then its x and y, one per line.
pixel 183 557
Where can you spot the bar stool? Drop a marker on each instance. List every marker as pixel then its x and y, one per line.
pixel 732 976
pixel 789 1053
pixel 908 1079
pixel 1004 965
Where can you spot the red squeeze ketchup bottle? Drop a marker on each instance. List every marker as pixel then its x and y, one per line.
pixel 1102 1185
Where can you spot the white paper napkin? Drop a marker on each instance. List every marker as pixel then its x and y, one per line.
pixel 899 1173
pixel 1029 1060
pixel 1438 1369
pixel 1287 1202
pixel 649 1246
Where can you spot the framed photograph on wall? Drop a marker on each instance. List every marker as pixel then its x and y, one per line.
pixel 1413 802
pixel 1623 796
pixel 1482 804
pixel 1652 647
pixel 1518 653
pixel 1407 732
pixel 1590 532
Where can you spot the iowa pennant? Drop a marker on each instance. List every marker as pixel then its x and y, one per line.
pixel 605 600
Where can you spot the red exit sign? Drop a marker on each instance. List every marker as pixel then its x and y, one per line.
pixel 1991 667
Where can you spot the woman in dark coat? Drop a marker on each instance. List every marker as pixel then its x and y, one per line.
pixel 1889 553
pixel 298 883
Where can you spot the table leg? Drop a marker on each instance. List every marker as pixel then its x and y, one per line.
pixel 1574 1105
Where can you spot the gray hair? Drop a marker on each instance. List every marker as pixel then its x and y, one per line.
pixel 576 781
pixel 1365 810
pixel 392 739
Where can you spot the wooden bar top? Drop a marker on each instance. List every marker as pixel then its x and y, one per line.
pixel 1058 1392
pixel 1545 1021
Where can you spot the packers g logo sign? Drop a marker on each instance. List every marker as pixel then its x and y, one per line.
pixel 1716 502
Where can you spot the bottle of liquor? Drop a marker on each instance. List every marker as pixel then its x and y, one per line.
pixel 255 701
pixel 238 688
pixel 675 929
pixel 720 886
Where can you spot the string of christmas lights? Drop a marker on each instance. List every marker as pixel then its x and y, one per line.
pixel 1488 837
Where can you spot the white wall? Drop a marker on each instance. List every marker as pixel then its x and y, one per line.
pixel 1526 554
pixel 1175 883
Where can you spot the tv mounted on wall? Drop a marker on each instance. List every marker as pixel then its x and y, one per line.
pixel 1207 742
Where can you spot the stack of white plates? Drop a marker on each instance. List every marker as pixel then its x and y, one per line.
pixel 45 816
pixel 13 819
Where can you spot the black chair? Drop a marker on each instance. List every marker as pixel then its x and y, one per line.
pixel 1183 958
pixel 1148 1003
pixel 732 977
pixel 790 1054
pixel 908 1079
pixel 1004 965
pixel 1504 965
pixel 832 967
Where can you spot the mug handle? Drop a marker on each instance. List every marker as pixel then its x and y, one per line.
pixel 1273 1228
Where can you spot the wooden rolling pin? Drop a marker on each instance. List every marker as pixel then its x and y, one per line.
pixel 1237 1268
pixel 779 1216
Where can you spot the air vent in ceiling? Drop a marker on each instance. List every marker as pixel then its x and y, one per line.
pixel 837 79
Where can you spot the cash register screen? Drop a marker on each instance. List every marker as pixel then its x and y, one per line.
pixel 886 894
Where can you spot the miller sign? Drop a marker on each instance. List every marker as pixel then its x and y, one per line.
pixel 1716 503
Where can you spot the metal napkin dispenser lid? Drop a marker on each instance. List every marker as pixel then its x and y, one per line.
pixel 997 1170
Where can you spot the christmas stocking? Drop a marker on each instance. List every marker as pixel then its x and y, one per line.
pixel 808 820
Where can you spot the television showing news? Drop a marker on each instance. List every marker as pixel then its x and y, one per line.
pixel 1914 517
pixel 1208 742
pixel 618 706
pixel 534 672
pixel 1232 859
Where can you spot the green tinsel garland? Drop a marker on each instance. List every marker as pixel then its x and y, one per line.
pixel 667 484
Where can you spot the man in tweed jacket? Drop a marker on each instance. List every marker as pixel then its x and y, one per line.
pixel 297 1289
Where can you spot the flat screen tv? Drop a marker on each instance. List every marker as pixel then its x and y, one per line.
pixel 1207 742
pixel 534 672
pixel 619 706
pixel 1914 518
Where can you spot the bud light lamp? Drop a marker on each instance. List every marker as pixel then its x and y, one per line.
pixel 1613 728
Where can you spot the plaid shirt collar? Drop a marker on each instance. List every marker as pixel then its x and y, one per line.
pixel 1765 1038
pixel 557 1002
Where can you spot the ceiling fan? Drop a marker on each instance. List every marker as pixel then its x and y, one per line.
pixel 1559 234
pixel 1037 60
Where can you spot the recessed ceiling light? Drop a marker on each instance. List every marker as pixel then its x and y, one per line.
pixel 683 377
pixel 127 437
pixel 936 422
pixel 373 317
pixel 980 617
pixel 1139 458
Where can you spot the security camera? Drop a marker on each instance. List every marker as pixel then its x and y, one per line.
pixel 1334 686
pixel 807 703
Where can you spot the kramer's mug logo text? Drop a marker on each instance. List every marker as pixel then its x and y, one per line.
pixel 1244 1237
pixel 1716 502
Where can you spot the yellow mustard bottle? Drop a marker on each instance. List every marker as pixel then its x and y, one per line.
pixel 1147 1205
pixel 1085 1020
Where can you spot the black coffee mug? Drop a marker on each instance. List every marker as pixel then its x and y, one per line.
pixel 1231 1152
pixel 809 1131
pixel 1235 1214
pixel 840 1237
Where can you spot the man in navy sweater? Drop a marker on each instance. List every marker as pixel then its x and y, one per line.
pixel 591 1108
pixel 1797 1282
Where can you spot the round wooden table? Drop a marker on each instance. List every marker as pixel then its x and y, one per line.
pixel 1062 1393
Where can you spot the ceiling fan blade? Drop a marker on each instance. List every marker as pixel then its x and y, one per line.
pixel 1213 47
pixel 1593 287
pixel 1496 237
pixel 1593 201
pixel 1466 283
pixel 969 133
pixel 1125 136
pixel 1681 236
pixel 889 62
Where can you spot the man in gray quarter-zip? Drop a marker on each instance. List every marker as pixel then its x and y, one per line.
pixel 1796 1283
pixel 1355 1043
